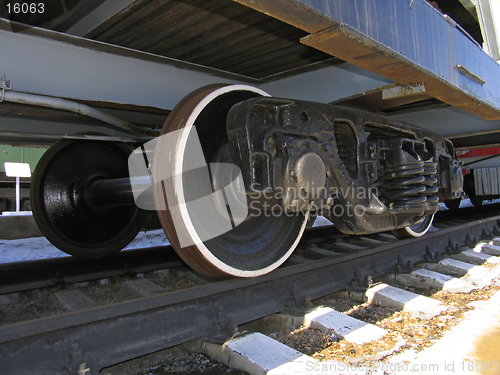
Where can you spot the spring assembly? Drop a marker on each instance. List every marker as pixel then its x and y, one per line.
pixel 407 176
pixel 405 186
pixel 430 173
pixel 409 186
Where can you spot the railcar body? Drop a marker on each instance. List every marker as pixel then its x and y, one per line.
pixel 321 107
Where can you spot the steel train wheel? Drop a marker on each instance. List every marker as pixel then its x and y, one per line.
pixel 476 200
pixel 256 246
pixel 453 204
pixel 60 207
pixel 415 230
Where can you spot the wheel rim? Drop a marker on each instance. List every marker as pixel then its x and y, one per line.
pixel 59 206
pixel 254 247
pixel 416 230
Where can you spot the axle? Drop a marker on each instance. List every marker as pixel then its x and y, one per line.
pixel 110 193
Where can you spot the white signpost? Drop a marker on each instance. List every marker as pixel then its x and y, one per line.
pixel 17 170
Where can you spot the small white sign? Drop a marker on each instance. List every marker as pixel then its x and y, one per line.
pixel 398 91
pixel 17 169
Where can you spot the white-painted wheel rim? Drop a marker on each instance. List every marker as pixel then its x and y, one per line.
pixel 179 189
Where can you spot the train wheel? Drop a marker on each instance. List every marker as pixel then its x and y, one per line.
pixel 416 230
pixel 60 205
pixel 476 200
pixel 453 204
pixel 254 247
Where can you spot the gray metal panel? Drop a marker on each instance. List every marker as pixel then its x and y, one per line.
pixel 49 63
pixel 478 182
pixel 326 84
pixel 449 121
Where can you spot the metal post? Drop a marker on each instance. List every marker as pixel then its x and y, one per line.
pixel 18 199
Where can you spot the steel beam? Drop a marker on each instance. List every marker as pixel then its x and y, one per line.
pixel 98 16
pixel 50 63
pixel 466 131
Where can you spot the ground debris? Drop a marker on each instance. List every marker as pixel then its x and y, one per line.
pixel 405 331
pixel 160 364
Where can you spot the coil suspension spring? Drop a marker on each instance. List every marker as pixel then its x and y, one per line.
pixel 430 173
pixel 410 185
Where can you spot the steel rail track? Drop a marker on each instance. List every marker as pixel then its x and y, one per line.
pixel 33 274
pixel 29 275
pixel 106 335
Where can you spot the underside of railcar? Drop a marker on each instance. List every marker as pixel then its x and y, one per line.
pixel 238 122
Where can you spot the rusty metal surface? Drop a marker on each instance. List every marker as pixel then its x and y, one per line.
pixel 412 43
pixel 291 12
pixel 374 56
pixel 409 42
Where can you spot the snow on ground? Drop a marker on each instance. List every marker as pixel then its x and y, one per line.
pixel 41 248
pixel 148 239
pixel 27 249
pixel 321 222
